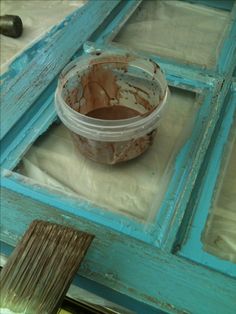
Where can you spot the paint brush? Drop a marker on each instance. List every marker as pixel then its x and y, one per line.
pixel 37 275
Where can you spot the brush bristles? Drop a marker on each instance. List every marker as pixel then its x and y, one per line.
pixel 41 268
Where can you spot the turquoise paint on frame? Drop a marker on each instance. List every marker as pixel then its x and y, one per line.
pixel 123 264
pixel 22 88
pixel 140 262
pixel 204 200
pixel 101 291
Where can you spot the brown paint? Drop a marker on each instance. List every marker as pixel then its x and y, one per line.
pixel 99 87
pixel 144 102
pixel 140 99
pixel 155 65
pixel 99 93
pixel 138 89
pixel 99 83
pixel 118 61
pixel 113 113
pixel 113 152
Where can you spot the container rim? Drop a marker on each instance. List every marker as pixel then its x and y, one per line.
pixel 100 129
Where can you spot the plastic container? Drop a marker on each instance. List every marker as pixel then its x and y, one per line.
pixel 111 104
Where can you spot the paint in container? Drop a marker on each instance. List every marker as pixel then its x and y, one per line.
pixel 111 104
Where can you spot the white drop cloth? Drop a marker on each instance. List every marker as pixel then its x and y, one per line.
pixel 37 17
pixel 133 187
pixel 176 29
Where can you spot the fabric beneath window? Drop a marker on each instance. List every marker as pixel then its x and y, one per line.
pixel 220 234
pixel 176 29
pixel 38 16
pixel 136 187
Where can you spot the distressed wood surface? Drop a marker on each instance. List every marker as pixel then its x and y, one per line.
pixel 41 113
pixel 52 54
pixel 75 205
pixel 145 273
pixel 38 123
pixel 167 281
pixel 207 119
pixel 107 34
pixel 91 292
pixel 203 201
pixel 191 78
pixel 34 122
pixel 162 232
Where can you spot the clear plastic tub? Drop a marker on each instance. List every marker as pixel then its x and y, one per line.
pixel 111 104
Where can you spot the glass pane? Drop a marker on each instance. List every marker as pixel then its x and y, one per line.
pixel 220 234
pixel 135 187
pixel 187 32
pixel 49 13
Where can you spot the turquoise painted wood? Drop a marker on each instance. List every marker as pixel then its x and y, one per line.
pixel 27 79
pixel 203 201
pixel 128 266
pixel 142 262
pixel 227 56
pixel 227 53
pixel 152 233
pixel 101 290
